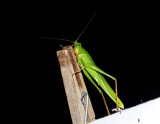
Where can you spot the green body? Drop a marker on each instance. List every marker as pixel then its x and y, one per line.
pixel 93 73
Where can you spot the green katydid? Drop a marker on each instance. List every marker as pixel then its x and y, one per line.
pixel 94 73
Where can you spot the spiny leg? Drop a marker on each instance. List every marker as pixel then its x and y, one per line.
pixel 90 78
pixel 113 78
pixel 79 70
pixel 105 103
pixel 116 94
pixel 116 91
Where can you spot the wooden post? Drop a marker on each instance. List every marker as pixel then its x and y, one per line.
pixel 74 86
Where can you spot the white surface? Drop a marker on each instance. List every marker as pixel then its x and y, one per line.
pixel 146 113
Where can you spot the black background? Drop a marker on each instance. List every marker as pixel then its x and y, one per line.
pixel 122 40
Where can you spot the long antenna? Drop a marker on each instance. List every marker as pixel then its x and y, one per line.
pixel 86 26
pixel 78 35
pixel 58 39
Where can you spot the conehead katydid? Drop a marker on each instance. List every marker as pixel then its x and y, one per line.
pixel 94 73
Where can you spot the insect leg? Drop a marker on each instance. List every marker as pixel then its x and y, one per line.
pixel 79 70
pixel 90 78
pixel 108 75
